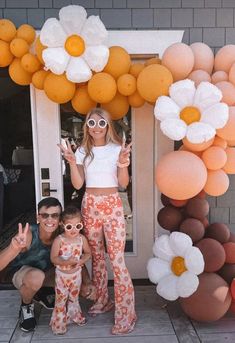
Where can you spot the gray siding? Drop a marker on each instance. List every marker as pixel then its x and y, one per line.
pixel 209 21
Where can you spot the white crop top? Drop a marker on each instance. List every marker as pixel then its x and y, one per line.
pixel 101 172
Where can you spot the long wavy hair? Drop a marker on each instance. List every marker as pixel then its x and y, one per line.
pixel 111 135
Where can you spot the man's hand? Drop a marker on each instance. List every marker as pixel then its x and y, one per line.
pixel 19 241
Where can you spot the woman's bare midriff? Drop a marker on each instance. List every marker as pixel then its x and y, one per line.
pixel 101 191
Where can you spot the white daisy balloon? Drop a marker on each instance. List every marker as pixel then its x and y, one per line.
pixel 175 266
pixel 75 44
pixel 194 113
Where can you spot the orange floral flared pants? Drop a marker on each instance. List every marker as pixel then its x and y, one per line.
pixel 104 220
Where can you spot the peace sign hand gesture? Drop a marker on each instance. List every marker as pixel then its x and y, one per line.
pixel 124 155
pixel 19 241
pixel 67 153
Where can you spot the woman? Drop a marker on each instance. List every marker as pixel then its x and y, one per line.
pixel 102 162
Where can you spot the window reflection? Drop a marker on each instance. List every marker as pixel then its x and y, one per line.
pixel 71 129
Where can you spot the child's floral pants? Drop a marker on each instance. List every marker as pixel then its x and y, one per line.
pixel 67 308
pixel 104 219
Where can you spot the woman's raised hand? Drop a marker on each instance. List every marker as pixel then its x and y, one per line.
pixel 19 241
pixel 124 155
pixel 67 153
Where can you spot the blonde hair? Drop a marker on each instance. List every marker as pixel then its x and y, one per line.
pixel 111 135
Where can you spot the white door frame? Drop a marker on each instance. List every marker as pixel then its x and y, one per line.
pixel 146 203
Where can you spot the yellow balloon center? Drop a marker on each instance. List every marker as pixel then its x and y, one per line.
pixel 75 45
pixel 190 114
pixel 178 266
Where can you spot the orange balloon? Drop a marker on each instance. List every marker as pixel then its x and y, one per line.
pixel 135 100
pixel 58 88
pixel 119 62
pixel 39 49
pixel 136 68
pixel 228 131
pixel 214 157
pixel 6 56
pixel 30 63
pixel 218 76
pixel 203 57
pixel 198 76
pixel 197 147
pixel 229 248
pixel 102 87
pixel 154 60
pixel 231 142
pixel 26 32
pixel 217 182
pixel 229 166
pixel 154 81
pixel 179 59
pixel 224 58
pixel 174 169
pixel 82 102
pixel 228 91
pixel 117 107
pixel 218 141
pixel 18 74
pixel 7 30
pixel 126 84
pixel 19 47
pixel 39 78
pixel 184 148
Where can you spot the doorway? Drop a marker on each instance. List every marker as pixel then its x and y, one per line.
pixel 16 155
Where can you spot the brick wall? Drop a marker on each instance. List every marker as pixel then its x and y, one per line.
pixel 208 21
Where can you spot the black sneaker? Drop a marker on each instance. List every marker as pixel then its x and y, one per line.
pixel 45 298
pixel 27 320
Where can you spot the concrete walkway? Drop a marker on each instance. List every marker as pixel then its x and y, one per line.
pixel 158 322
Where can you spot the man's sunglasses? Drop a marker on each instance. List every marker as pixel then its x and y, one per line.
pixel 102 123
pixel 47 215
pixel 68 226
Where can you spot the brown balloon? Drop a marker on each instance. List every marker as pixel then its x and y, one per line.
pixel 213 253
pixel 197 208
pixel 194 228
pixel 169 218
pixel 211 300
pixel 165 200
pixel 218 231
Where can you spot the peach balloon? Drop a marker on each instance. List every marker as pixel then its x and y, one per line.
pixel 174 169
pixel 135 100
pixel 229 248
pixel 81 101
pixel 231 74
pixel 229 166
pixel 224 58
pixel 228 91
pixel 218 141
pixel 203 57
pixel 231 142
pixel 214 157
pixel 228 131
pixel 179 59
pixel 217 182
pixel 153 81
pixel 197 147
pixel 184 148
pixel 198 76
pixel 136 68
pixel 117 107
pixel 218 76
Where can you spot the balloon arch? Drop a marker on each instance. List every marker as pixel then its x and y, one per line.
pixel 193 96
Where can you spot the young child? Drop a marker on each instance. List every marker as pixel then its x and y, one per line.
pixel 69 252
pixel 102 162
